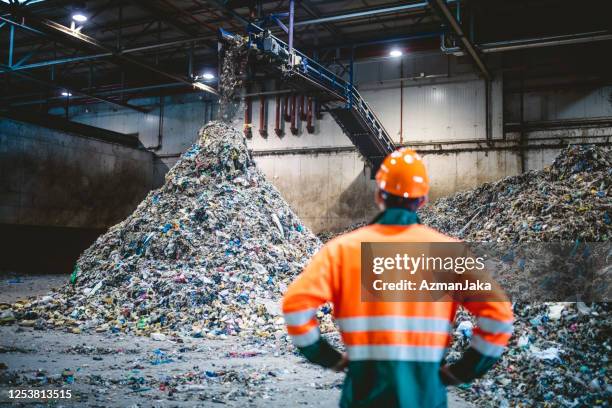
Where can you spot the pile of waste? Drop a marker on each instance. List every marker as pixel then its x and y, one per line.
pixel 210 253
pixel 559 356
pixel 567 201
pixel 560 353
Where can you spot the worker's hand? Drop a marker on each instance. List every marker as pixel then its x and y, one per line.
pixel 342 364
pixel 448 378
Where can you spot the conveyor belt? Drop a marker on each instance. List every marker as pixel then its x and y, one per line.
pixel 339 97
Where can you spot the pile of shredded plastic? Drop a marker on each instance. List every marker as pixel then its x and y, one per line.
pixel 560 353
pixel 207 254
pixel 567 201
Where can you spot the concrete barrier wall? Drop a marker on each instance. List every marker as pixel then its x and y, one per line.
pixel 56 179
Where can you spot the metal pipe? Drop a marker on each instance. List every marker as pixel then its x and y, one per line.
pixel 444 11
pixel 309 124
pixel 102 55
pixel 291 25
pixel 302 111
pixel 502 46
pixel 11 45
pixel 401 135
pixel 53 84
pixel 294 129
pixel 488 127
pixel 69 36
pixel 160 126
pixel 286 109
pixel 263 123
pixel 247 118
pixel 366 13
pixel 277 119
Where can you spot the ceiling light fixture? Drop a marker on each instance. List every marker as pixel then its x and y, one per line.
pixel 396 53
pixel 79 17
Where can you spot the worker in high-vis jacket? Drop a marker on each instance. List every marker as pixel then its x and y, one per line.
pixel 394 350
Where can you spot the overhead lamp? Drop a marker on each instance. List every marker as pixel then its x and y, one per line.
pixel 79 17
pixel 395 53
pixel 208 76
pixel 66 94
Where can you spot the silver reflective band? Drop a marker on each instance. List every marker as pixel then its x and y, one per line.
pixel 299 318
pixel 308 338
pixel 397 323
pixel 396 353
pixel 487 348
pixel 494 326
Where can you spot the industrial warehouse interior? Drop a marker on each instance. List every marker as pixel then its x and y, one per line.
pixel 225 202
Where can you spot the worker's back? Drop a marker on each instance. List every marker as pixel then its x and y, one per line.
pixel 394 348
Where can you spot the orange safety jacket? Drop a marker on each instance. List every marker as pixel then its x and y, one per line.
pixel 394 348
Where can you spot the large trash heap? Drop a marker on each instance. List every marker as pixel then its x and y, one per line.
pixel 207 254
pixel 560 353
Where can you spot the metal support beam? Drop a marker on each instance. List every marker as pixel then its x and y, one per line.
pixel 67 35
pixel 68 60
pixel 70 90
pixel 442 8
pixel 221 5
pixel 365 13
pixel 11 46
pixel 291 25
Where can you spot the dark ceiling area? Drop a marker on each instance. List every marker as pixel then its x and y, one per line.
pixel 131 48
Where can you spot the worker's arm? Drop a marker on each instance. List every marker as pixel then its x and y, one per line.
pixel 311 289
pixel 491 335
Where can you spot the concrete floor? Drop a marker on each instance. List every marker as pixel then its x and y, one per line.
pixel 111 370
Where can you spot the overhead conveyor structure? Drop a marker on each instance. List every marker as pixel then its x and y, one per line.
pixel 336 95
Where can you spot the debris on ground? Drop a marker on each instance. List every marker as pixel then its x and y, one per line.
pixel 208 254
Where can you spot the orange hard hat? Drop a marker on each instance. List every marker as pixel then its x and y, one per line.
pixel 403 174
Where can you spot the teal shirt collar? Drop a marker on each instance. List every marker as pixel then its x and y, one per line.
pixel 397 216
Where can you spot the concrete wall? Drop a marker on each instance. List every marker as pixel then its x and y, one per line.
pixel 52 178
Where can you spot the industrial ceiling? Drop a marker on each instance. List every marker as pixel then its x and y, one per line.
pixel 130 48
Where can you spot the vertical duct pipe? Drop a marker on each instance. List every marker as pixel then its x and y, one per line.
pixel 286 109
pixel 401 132
pixel 302 110
pixel 277 119
pixel 263 118
pixel 488 127
pixel 309 117
pixel 247 118
pixel 522 128
pixel 294 129
pixel 317 109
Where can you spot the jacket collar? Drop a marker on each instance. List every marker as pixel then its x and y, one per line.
pixel 396 216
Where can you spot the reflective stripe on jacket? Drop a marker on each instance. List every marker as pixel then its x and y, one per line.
pixel 394 348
